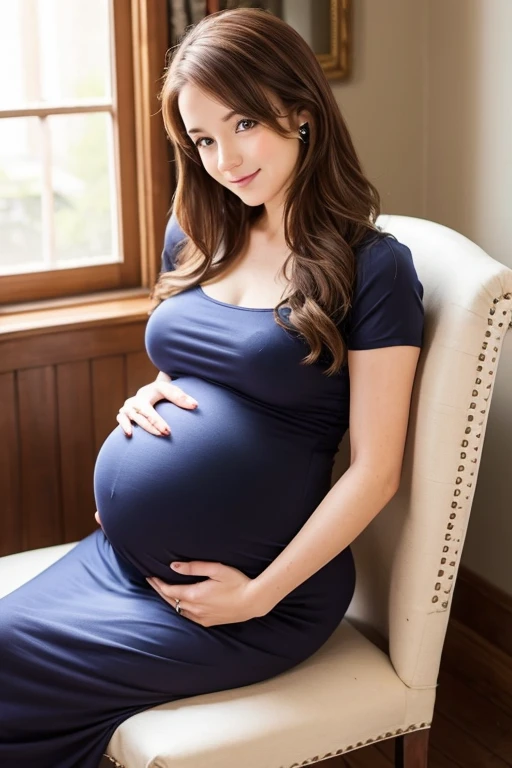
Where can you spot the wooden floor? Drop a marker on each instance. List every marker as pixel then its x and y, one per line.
pixel 468 731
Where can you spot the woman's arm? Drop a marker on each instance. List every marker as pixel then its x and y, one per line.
pixel 381 382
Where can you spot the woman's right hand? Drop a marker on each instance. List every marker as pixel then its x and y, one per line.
pixel 139 408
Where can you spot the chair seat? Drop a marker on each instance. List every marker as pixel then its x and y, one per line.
pixel 15 570
pixel 344 696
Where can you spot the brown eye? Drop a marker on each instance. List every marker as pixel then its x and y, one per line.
pixel 203 138
pixel 253 123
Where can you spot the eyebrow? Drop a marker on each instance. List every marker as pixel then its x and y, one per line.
pixel 226 117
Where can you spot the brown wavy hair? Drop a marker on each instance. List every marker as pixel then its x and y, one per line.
pixel 331 207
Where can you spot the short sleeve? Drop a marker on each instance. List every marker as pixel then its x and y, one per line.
pixel 173 239
pixel 387 306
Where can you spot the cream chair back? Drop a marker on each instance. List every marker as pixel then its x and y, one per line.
pixel 408 557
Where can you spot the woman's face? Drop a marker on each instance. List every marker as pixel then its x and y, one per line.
pixel 232 146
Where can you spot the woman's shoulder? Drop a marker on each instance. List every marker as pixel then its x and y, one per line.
pixel 387 301
pixel 382 257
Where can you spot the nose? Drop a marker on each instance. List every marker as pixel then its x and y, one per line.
pixel 228 158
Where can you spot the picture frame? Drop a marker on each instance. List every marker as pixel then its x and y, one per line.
pixel 334 26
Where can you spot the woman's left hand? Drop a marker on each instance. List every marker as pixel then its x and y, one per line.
pixel 227 597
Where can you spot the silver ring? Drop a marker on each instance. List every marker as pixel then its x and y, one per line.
pixel 177 607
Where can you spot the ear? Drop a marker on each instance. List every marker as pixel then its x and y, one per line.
pixel 303 117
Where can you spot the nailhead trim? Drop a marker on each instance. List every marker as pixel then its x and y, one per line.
pixel 484 383
pixel 112 760
pixel 342 750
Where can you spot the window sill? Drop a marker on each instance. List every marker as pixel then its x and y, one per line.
pixel 101 309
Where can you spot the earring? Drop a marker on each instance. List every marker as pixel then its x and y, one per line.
pixel 304 133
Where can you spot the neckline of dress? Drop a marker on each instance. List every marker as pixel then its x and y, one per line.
pixel 233 306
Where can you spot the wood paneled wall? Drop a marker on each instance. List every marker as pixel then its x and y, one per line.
pixel 59 396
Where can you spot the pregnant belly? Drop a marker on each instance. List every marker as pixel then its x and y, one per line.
pixel 226 485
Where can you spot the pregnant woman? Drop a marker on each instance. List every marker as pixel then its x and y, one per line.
pixel 223 556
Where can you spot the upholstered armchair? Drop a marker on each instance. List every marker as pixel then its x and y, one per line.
pixel 376 677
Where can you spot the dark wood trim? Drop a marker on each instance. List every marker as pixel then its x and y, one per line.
pixel 10 465
pixel 54 336
pixel 69 345
pixel 54 319
pixel 151 41
pixel 125 144
pixel 45 285
pixel 59 404
pixel 13 313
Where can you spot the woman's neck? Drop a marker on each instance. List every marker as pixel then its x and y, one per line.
pixel 270 229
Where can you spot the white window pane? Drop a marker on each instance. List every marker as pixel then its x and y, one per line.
pixel 20 195
pixel 12 88
pixel 54 50
pixel 84 190
pixel 75 54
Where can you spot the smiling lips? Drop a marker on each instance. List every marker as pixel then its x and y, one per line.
pixel 243 180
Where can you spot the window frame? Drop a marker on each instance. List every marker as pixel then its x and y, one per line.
pixel 141 30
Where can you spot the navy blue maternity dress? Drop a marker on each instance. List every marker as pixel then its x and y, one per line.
pixel 88 643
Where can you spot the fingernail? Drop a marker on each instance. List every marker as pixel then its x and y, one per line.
pixel 190 401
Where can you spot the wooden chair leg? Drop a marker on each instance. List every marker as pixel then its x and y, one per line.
pixel 411 749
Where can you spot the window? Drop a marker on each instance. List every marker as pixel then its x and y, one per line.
pixel 71 218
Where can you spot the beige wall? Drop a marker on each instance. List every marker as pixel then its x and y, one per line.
pixel 429 108
pixel 383 100
pixel 469 188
